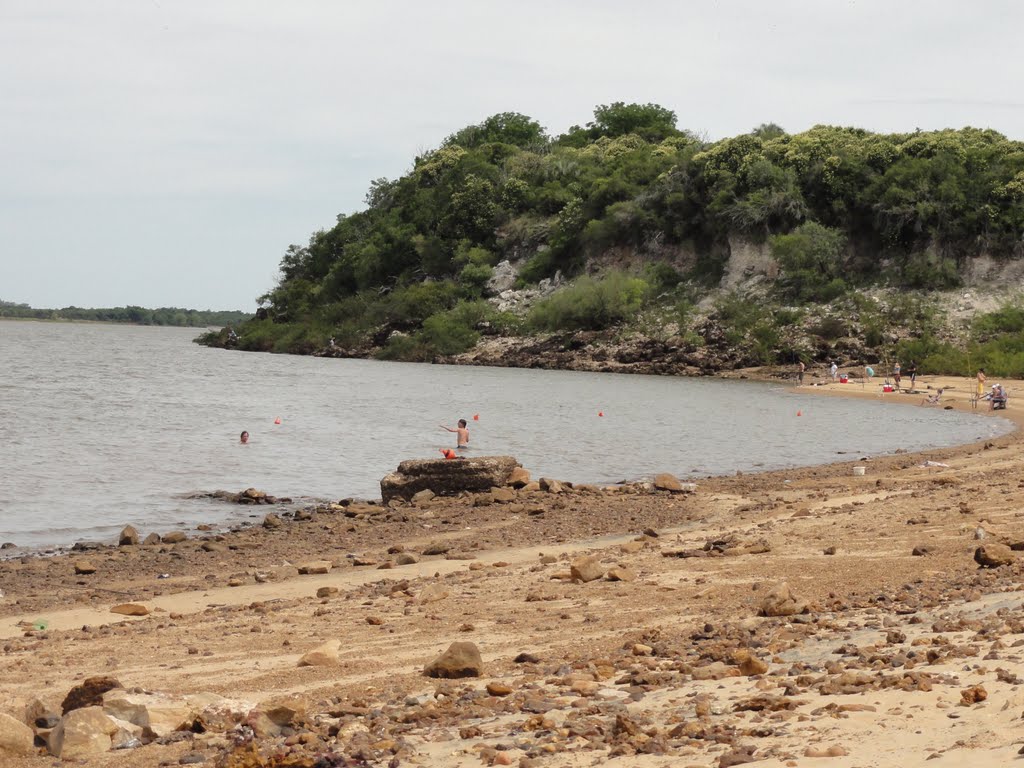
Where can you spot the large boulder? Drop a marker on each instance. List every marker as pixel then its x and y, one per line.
pixel 82 733
pixel 447 477
pixel 780 601
pixel 15 737
pixel 156 713
pixel 993 555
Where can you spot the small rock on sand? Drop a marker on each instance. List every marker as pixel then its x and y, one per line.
pixel 519 478
pixel 129 537
pixel 462 659
pixel 618 573
pixel 586 568
pixel 315 567
pixel 993 555
pixel 130 609
pixel 667 482
pixel 780 601
pixel 325 655
pixel 174 537
pixel 84 567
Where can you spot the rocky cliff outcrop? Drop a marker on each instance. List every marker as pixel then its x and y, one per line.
pixel 447 477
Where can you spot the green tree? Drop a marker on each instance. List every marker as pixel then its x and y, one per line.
pixel 811 258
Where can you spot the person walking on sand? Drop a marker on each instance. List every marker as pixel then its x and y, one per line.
pixel 834 370
pixel 800 372
pixel 896 374
pixel 912 370
pixel 462 434
pixel 981 383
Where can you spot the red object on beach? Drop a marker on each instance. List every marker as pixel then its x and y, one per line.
pixel 448 453
pixel 843 378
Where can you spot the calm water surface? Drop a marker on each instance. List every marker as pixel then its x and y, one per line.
pixel 105 425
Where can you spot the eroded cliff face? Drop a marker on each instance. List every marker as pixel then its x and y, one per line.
pixel 747 262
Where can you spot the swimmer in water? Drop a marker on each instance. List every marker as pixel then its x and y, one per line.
pixel 244 438
pixel 462 434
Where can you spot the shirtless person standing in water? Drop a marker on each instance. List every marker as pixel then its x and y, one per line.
pixel 462 439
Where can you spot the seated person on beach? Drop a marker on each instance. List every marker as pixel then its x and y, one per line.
pixel 933 399
pixel 462 434
pixel 997 399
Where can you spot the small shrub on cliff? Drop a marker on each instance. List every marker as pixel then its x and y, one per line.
pixel 811 258
pixel 590 304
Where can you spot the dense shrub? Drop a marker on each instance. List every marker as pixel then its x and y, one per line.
pixel 590 304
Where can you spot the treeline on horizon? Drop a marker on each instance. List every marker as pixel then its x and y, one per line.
pixel 176 316
pixel 841 208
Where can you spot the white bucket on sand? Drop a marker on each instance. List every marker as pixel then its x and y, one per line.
pixel 859 471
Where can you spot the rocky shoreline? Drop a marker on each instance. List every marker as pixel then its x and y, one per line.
pixel 783 618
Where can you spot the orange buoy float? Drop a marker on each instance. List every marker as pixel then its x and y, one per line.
pixel 600 413
pixel 799 413
pixel 476 417
pixel 448 453
pixel 277 420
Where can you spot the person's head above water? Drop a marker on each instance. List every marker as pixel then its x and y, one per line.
pixel 462 423
pixel 244 437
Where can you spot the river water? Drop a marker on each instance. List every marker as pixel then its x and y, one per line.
pixel 105 425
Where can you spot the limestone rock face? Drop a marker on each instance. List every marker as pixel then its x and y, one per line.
pixel 462 659
pixel 993 555
pixel 780 601
pixel 447 477
pixel 15 737
pixel 157 714
pixel 82 733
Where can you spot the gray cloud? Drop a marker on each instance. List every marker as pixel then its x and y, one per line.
pixel 160 152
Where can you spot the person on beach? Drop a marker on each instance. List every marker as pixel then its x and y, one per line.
pixel 834 370
pixel 896 374
pixel 244 437
pixel 981 383
pixel 462 434
pixel 912 370
pixel 800 372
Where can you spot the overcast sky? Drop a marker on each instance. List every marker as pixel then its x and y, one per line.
pixel 166 152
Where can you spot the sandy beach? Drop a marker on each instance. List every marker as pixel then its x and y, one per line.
pixel 894 646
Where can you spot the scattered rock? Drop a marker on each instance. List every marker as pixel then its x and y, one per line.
pixel 130 609
pixel 15 738
pixel 158 715
pixel 834 751
pixel 667 482
pixel 152 540
pixel 498 689
pixel 748 663
pixel 325 655
pixel 993 555
pixel 973 695
pixel 82 734
pixel 422 497
pixel 406 558
pixel 921 550
pixel 432 593
pixel 84 567
pixel 174 537
pixel 550 486
pixel 503 495
pixel 519 478
pixel 315 567
pixel 780 601
pixel 89 693
pixel 271 521
pixel 619 573
pixel 462 659
pixel 586 568
pixel 129 537
pixel 327 592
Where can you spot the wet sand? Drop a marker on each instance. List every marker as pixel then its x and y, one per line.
pixel 650 671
